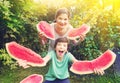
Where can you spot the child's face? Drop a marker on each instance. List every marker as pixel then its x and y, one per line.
pixel 62 20
pixel 61 49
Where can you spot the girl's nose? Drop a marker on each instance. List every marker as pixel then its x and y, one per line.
pixel 62 21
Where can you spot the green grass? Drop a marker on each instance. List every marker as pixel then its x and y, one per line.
pixel 16 75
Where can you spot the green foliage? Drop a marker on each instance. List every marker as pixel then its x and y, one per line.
pixel 7 60
pixel 18 19
pixel 105 27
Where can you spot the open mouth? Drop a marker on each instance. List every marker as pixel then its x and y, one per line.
pixel 62 24
pixel 61 52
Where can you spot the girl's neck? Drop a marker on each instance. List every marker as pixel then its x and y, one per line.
pixel 61 31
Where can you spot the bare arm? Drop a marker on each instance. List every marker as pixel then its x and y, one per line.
pixel 74 60
pixel 24 64
pixel 46 59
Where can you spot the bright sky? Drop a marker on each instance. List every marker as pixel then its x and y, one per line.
pixel 57 3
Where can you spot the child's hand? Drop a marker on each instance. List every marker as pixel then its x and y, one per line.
pixel 23 63
pixel 99 71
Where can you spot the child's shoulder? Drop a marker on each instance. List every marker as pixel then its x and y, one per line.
pixel 51 53
pixel 68 53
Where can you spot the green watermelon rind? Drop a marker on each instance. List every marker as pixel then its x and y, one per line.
pixel 92 70
pixel 31 76
pixel 27 49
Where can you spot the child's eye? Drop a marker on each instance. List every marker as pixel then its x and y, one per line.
pixel 65 45
pixel 58 44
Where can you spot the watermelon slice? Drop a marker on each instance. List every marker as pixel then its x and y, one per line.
pixel 19 52
pixel 34 78
pixel 87 67
pixel 45 27
pixel 76 32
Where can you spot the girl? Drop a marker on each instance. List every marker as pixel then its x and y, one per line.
pixel 61 27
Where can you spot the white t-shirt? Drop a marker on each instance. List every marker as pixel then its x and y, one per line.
pixel 52 42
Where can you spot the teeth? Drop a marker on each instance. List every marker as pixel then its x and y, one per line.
pixel 61 51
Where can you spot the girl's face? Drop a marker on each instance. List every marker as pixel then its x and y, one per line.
pixel 61 49
pixel 62 20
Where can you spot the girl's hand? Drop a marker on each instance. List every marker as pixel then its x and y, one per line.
pixel 43 39
pixel 99 71
pixel 82 37
pixel 41 34
pixel 23 63
pixel 78 39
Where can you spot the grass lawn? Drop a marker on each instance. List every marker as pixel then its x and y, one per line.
pixel 16 75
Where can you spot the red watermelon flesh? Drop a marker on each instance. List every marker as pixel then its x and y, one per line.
pixel 34 78
pixel 20 52
pixel 76 32
pixel 45 27
pixel 103 62
pixel 82 67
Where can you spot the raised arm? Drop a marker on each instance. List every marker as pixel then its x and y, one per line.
pixel 46 59
pixel 24 64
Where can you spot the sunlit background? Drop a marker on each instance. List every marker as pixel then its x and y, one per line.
pixel 18 19
pixel 56 3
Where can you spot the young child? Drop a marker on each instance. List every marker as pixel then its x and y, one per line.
pixel 59 59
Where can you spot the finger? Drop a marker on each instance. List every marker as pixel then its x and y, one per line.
pixel 26 66
pixel 102 72
pixel 41 33
pixel 95 71
pixel 22 63
pixel 82 37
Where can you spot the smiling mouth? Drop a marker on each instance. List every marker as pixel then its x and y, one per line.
pixel 62 24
